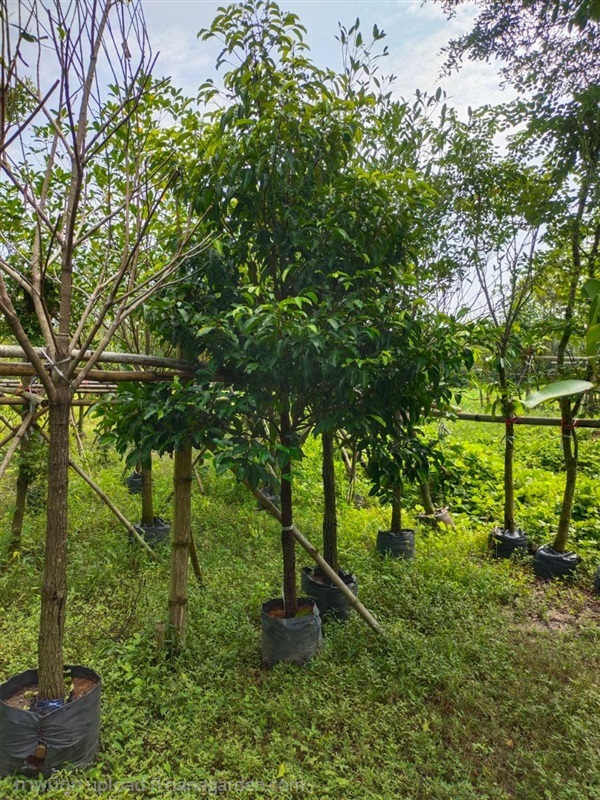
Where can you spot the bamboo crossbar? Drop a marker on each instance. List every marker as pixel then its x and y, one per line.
pixel 545 421
pixel 22 369
pixel 139 359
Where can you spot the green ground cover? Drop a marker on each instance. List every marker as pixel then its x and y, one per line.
pixel 486 687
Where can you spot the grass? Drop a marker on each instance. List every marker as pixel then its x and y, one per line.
pixel 485 688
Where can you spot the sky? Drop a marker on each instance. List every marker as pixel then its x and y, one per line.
pixel 416 33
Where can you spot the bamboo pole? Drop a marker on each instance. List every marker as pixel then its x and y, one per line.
pixel 13 351
pixel 194 559
pixel 102 375
pixel 16 438
pixel 18 401
pixel 106 499
pixel 314 553
pixel 544 421
pixel 14 432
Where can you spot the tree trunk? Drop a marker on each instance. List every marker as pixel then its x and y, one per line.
pixel 569 445
pixel 147 500
pixel 509 444
pixel 54 578
pixel 330 552
pixel 426 498
pixel 180 546
pixel 288 542
pixel 509 485
pixel 396 522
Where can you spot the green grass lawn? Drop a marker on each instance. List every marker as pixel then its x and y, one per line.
pixel 486 686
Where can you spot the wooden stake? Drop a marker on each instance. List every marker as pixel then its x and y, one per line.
pixel 194 559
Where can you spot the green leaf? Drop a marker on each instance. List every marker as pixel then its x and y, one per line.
pixel 592 340
pixel 555 390
pixel 591 288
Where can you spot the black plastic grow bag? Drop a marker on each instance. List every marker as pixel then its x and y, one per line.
pixel 397 544
pixel 328 597
pixel 548 563
pixel 156 534
pixel 31 744
pixel 295 640
pixel 134 482
pixel 503 543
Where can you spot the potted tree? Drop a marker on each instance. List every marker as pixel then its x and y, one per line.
pixel 498 245
pixel 553 560
pixel 281 304
pixel 83 226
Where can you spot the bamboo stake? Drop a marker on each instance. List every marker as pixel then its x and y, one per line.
pixel 80 447
pixel 199 480
pixel 106 499
pixel 314 553
pixel 194 559
pixel 14 432
pixel 16 438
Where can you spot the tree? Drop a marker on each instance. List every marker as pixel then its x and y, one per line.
pixel 308 270
pixel 557 70
pixel 495 208
pixel 83 177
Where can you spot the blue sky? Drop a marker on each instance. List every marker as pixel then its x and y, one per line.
pixel 415 35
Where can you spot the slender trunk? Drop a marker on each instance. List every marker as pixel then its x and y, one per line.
pixel 426 498
pixel 569 445
pixel 147 501
pixel 54 578
pixel 80 418
pixel 330 552
pixel 396 522
pixel 509 485
pixel 180 546
pixel 509 445
pixel 288 543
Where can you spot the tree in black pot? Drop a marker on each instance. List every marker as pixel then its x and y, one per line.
pixel 306 232
pixel 87 194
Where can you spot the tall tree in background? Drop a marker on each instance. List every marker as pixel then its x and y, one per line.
pixel 550 52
